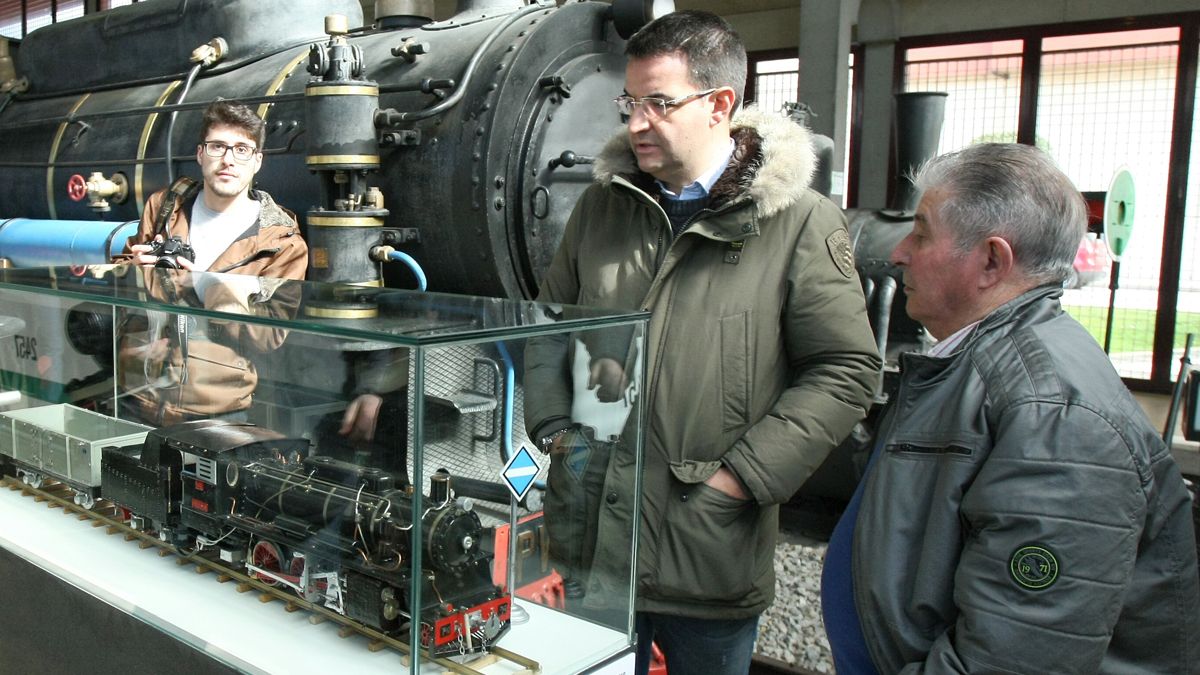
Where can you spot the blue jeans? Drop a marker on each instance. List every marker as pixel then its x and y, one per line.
pixel 696 646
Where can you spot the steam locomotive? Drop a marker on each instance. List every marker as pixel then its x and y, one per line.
pixel 477 130
pixel 335 533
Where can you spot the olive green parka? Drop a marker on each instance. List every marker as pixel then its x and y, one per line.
pixel 758 357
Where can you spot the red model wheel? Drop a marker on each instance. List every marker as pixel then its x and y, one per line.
pixel 77 188
pixel 266 555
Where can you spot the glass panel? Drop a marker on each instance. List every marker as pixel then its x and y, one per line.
pixel 563 586
pixel 970 50
pixel 1188 318
pixel 1118 39
pixel 10 18
pixel 37 14
pixel 68 9
pixel 358 453
pixel 984 91
pixel 777 66
pixel 1100 110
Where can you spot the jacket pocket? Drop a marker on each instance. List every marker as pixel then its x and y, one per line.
pixel 708 548
pixel 735 370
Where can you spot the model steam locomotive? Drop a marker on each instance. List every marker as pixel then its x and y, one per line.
pixel 338 534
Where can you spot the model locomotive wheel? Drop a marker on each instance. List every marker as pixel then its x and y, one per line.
pixel 266 555
pixel 312 590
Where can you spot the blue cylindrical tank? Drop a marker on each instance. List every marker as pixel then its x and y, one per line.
pixel 27 242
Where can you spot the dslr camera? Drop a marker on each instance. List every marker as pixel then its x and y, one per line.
pixel 168 252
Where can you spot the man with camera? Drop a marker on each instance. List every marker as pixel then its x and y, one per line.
pixel 172 370
pixel 223 223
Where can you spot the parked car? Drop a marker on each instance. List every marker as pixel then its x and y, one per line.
pixel 1092 263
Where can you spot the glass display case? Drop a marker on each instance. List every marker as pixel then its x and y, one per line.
pixel 359 452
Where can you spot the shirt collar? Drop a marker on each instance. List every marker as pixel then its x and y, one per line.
pixel 947 345
pixel 701 186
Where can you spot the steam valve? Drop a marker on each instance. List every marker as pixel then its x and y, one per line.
pixel 410 49
pixel 98 190
pixel 210 52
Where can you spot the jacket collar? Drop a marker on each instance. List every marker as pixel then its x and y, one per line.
pixel 772 164
pixel 1035 304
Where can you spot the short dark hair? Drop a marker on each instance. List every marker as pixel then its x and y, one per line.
pixel 237 115
pixel 715 54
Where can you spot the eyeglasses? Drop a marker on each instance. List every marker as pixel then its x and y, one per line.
pixel 241 152
pixel 655 107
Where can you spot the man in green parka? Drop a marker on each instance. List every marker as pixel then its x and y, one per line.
pixel 759 358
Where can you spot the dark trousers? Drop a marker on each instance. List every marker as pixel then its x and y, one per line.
pixel 696 646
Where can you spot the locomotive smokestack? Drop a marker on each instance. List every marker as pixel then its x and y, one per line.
pixel 919 117
pixel 403 13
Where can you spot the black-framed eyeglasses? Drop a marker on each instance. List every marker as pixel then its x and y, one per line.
pixel 241 151
pixel 653 106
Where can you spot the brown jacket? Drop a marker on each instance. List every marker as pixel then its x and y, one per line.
pixel 205 368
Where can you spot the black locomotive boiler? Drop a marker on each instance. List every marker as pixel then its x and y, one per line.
pixel 338 534
pixel 463 142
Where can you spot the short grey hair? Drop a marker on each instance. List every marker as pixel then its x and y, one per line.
pixel 1015 192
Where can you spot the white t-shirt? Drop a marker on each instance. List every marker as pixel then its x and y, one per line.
pixel 213 231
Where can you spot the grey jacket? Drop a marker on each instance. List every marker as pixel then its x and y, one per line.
pixel 758 357
pixel 1022 516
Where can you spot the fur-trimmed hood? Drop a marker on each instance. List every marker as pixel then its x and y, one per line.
pixel 772 165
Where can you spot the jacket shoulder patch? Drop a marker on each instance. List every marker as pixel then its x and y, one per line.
pixel 838 244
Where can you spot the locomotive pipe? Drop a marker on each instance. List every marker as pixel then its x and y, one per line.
pixel 187 86
pixel 884 296
pixel 48 243
pixel 388 253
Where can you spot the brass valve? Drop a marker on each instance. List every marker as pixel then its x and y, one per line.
pixel 98 190
pixel 210 52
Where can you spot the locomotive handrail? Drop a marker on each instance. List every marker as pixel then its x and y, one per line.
pixel 146 110
pixel 132 160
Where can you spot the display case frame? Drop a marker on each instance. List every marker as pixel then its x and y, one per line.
pixel 333 346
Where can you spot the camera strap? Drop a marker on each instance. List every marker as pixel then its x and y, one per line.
pixel 182 190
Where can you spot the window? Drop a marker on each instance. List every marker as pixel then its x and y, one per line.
pixel 1096 102
pixel 775 82
pixel 20 17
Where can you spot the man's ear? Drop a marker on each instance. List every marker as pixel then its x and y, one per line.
pixel 723 102
pixel 998 262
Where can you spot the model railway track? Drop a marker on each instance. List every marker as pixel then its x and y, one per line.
pixel 105 514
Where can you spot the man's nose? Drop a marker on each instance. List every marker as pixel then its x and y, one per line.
pixel 899 255
pixel 638 120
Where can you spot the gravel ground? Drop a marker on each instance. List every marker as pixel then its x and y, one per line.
pixel 791 630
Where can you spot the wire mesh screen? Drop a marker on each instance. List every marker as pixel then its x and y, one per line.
pixel 1188 318
pixel 984 90
pixel 37 14
pixel 464 419
pixel 1100 110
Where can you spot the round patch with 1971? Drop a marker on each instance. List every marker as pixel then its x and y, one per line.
pixel 1034 566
